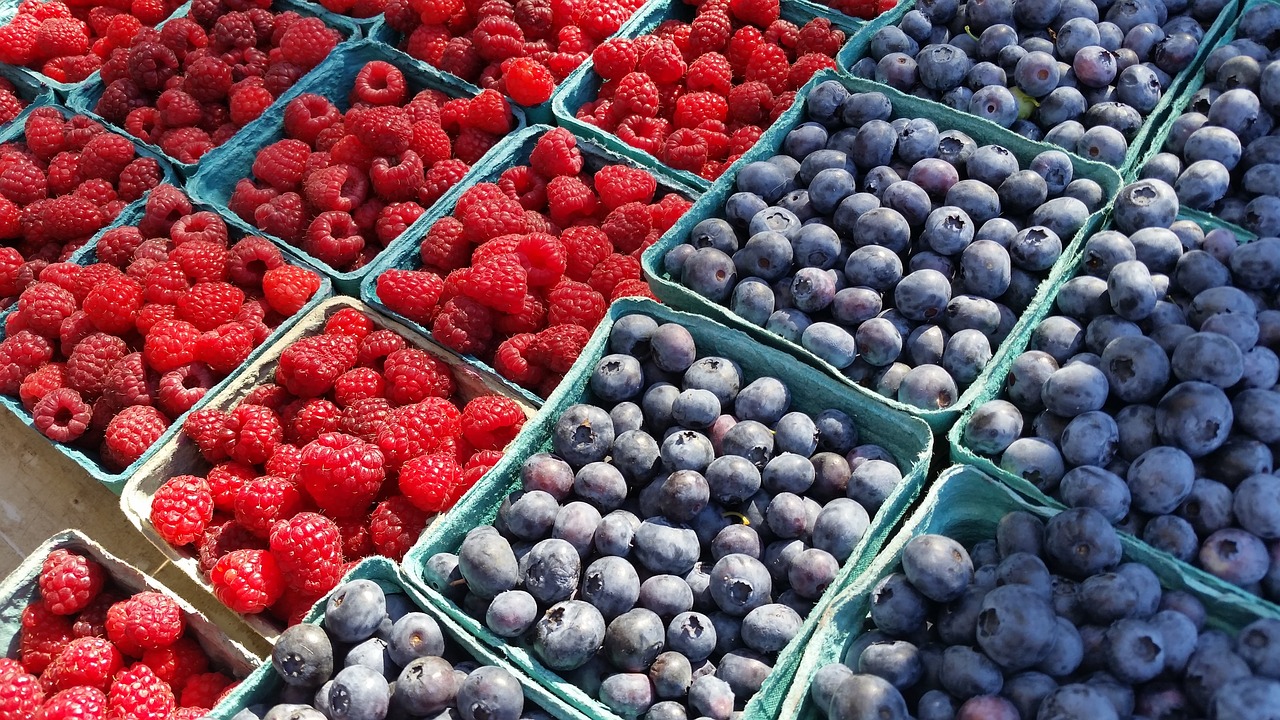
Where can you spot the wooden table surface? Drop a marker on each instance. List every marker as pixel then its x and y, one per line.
pixel 43 492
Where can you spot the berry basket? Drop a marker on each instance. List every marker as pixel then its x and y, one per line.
pixel 31 89
pixel 1157 135
pixel 966 505
pixel 84 97
pixel 964 453
pixel 263 686
pixel 180 454
pixel 333 79
pixel 513 151
pixel 711 205
pixel 907 439
pixel 90 461
pixel 1153 122
pixel 583 85
pixel 21 587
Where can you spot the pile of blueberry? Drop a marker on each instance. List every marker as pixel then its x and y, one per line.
pixel 1221 154
pixel 1082 74
pixel 684 527
pixel 1151 396
pixel 897 252
pixel 375 656
pixel 1052 625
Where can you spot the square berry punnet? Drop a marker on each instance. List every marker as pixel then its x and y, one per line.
pixel 231 118
pixel 113 352
pixel 209 645
pixel 227 178
pixel 712 105
pixel 297 456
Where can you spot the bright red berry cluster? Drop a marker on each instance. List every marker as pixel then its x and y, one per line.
pixel 697 95
pixel 69 41
pixel 89 651
pixel 63 182
pixel 523 270
pixel 357 444
pixel 194 83
pixel 11 103
pixel 865 9
pixel 355 8
pixel 105 356
pixel 343 185
pixel 521 49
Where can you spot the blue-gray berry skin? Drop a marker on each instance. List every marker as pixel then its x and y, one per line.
pixel 568 634
pixel 490 693
pixel 426 686
pixel 303 656
pixel 358 693
pixel 355 610
pixel 488 564
pixel 415 635
pixel 583 434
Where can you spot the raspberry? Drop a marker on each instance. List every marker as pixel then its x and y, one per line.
pixel 224 348
pixel 636 94
pixel 138 693
pixel 413 294
pixel 44 636
pixel 358 384
pixel 44 306
pixel 668 210
pixel 414 430
pixel 251 433
pixel 338 187
pixel 487 212
pixel 61 415
pixel 130 433
pixel 585 247
pixel 246 102
pixel 464 325
pixel 210 304
pixel 621 184
pixel 556 153
pixel 377 346
pixel 528 81
pixel 413 376
pixel 645 133
pixel 440 178
pixel 615 57
pixel 78 703
pixel 181 509
pixel 397 178
pixel 20 354
pixel 395 219
pixel 557 347
pixel 264 501
pixel 180 389
pixel 307 42
pixel 170 345
pixel 175 664
pixel 627 226
pixel 805 67
pixel 43 380
pixel 86 661
pixel 365 418
pixel 225 481
pixel 634 287
pixel 287 288
pixel 247 581
pixel 379 83
pixel 308 549
pixel 309 367
pixel 342 473
pixel 356 543
pixel 145 621
pixel 113 306
pixel 685 149
pixel 306 420
pixel 128 383
pixel 203 691
pixel 384 130
pixel 613 270
pixel 429 482
pixel 284 216
pixel 137 178
pixel 69 582
pixel 445 247
pixel 394 526
pixel 281 163
pixel 307 115
pixel 500 282
pixel 490 422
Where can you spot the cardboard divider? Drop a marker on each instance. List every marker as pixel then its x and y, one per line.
pixel 906 438
pixel 711 204
pixel 179 455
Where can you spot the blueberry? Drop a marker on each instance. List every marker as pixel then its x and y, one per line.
pixel 825 101
pixel 882 227
pixel 826 682
pixel 487 563
pixel 864 697
pixel 928 387
pixel 711 697
pixel 490 693
pixel 568 634
pixel 665 548
pixel 583 434
pixel 897 607
pixel 740 207
pixel 303 656
pixel 966 673
pixel 617 378
pixel 415 635
pixel 1080 542
pixel 840 527
pixel 355 610
pixel 358 693
pixel 1195 417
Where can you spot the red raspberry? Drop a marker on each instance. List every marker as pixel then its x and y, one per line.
pixel 250 259
pixel 414 430
pixel 395 219
pixel 805 67
pixel 307 42
pixel 181 509
pixel 487 212
pixel 342 473
pixel 44 306
pixel 397 177
pixel 69 582
pixel 130 434
pixel 365 418
pixel 105 156
pixel 627 226
pixel 307 115
pixel 358 384
pixel 221 539
pixel 379 83
pixel 42 381
pixel 264 501
pixel 145 621
pixel 45 134
pixel 175 664
pixel 113 306
pixel 557 347
pixel 685 149
pixel 204 427
pixel 78 703
pixel 634 287
pixel 70 217
pixel 309 367
pixel 251 433
pixel 429 482
pixel 489 112
pixel 225 481
pixel 138 693
pixel 377 346
pixel 170 344
pixel 210 304
pixel 413 294
pixel 413 376
pixel 490 422
pixel 224 348
pixel 569 200
pixel 615 57
pixel 246 103
pixel 464 325
pixel 22 181
pixel 556 153
pixel 350 322
pixel 308 549
pixel 86 661
pixel 247 581
pixel 284 216
pixel 356 543
pixel 500 282
pixel 44 636
pixel 137 178
pixel 20 354
pixel 207 232
pixel 615 269
pixel 204 690
pixel 446 247
pixel 281 163
pixel 635 95
pixel 440 178
pixel 287 288
pixel 395 526
pixel 61 415
pixel 306 420
pixel 668 210
pixel 528 81
pixel 128 383
pixel 621 184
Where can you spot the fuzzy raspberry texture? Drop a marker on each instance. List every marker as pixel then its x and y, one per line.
pixel 522 49
pixel 327 464
pixel 12 101
pixel 107 355
pixel 61 182
pixel 698 94
pixel 88 649
pixel 68 41
pixel 341 185
pixel 525 266
pixel 192 86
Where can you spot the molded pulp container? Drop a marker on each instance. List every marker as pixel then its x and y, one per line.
pixel 224 166
pixel 179 455
pixel 905 437
pixel 712 205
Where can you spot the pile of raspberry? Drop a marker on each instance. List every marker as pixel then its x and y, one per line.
pixel 698 95
pixel 355 8
pixel 91 651
pixel 66 180
pixel 360 440
pixel 106 356
pixel 343 185
pixel 188 87
pixel 68 41
pixel 11 103
pixel 521 49
pixel 524 269
pixel 865 9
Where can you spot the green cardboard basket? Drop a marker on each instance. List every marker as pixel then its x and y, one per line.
pixel 711 205
pixel 224 166
pixel 22 586
pixel 264 685
pixel 966 505
pixel 83 98
pixel 961 453
pixel 907 438
pixel 583 85
pixel 512 151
